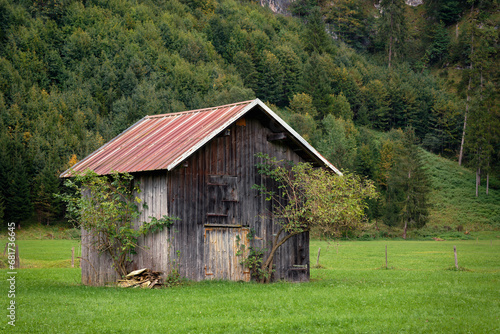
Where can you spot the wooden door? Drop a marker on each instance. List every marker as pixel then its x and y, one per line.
pixel 225 247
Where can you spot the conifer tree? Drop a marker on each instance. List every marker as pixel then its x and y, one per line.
pixel 316 39
pixel 408 186
pixel 393 27
pixel 317 82
pixel 46 185
pixel 271 78
pixel 2 210
pixel 5 168
pixel 481 119
pixel 246 68
pixel 19 200
pixel 292 71
pixel 351 22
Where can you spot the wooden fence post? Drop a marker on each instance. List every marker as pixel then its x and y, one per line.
pixel 72 257
pixel 456 259
pixel 385 256
pixel 317 260
pixel 5 250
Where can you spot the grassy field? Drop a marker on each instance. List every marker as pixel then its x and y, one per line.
pixel 352 293
pixel 46 253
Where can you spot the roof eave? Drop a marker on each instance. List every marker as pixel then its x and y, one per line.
pixel 67 173
pixel 298 137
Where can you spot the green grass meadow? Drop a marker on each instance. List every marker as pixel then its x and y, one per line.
pixel 353 292
pixel 46 253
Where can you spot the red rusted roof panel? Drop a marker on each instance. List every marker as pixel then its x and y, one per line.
pixel 157 142
pixel 161 142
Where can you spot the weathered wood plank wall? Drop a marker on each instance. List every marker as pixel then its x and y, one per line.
pixel 152 251
pixel 97 269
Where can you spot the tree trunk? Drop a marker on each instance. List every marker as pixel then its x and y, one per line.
pixel 404 231
pixel 460 156
pixel 478 180
pixel 267 266
pixel 466 105
pixel 390 51
pixel 487 183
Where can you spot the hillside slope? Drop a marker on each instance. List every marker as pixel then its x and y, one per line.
pixel 453 200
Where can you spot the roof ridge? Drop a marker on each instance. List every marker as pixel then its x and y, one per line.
pixel 198 110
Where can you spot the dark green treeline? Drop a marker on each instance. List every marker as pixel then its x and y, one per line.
pixel 74 74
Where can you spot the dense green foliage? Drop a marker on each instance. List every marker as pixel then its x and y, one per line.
pixel 74 74
pixel 353 293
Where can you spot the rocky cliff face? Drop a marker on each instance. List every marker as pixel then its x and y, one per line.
pixel 414 2
pixel 277 6
pixel 281 6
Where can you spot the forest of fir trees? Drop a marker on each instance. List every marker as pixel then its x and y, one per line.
pixel 369 86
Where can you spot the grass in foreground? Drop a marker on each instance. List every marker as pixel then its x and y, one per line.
pixel 354 293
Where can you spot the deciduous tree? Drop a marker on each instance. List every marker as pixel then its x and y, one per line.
pixel 307 198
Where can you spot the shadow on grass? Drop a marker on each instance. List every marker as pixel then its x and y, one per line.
pixel 458 269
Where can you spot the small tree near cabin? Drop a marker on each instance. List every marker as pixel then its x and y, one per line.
pixel 106 207
pixel 307 198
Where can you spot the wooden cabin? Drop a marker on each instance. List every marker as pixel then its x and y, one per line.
pixel 200 166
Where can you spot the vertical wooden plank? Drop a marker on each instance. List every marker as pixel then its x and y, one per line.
pixel 164 233
pixel 159 212
pixel 155 213
pixel 178 231
pixel 197 175
pixel 187 209
pixel 171 212
pixel 222 254
pixel 173 198
pixel 84 261
pixel 146 200
pixel 140 240
pixel 147 240
pixel 225 263
pixel 226 162
pixel 238 171
pixel 206 259
pixel 200 212
pixel 216 253
pixel 186 250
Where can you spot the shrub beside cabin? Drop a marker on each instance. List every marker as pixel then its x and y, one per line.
pixel 199 166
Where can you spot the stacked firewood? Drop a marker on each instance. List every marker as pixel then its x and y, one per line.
pixel 144 278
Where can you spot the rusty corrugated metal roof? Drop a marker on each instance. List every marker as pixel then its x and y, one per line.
pixel 161 142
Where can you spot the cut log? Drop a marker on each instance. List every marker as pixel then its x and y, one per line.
pixel 136 272
pixel 144 278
